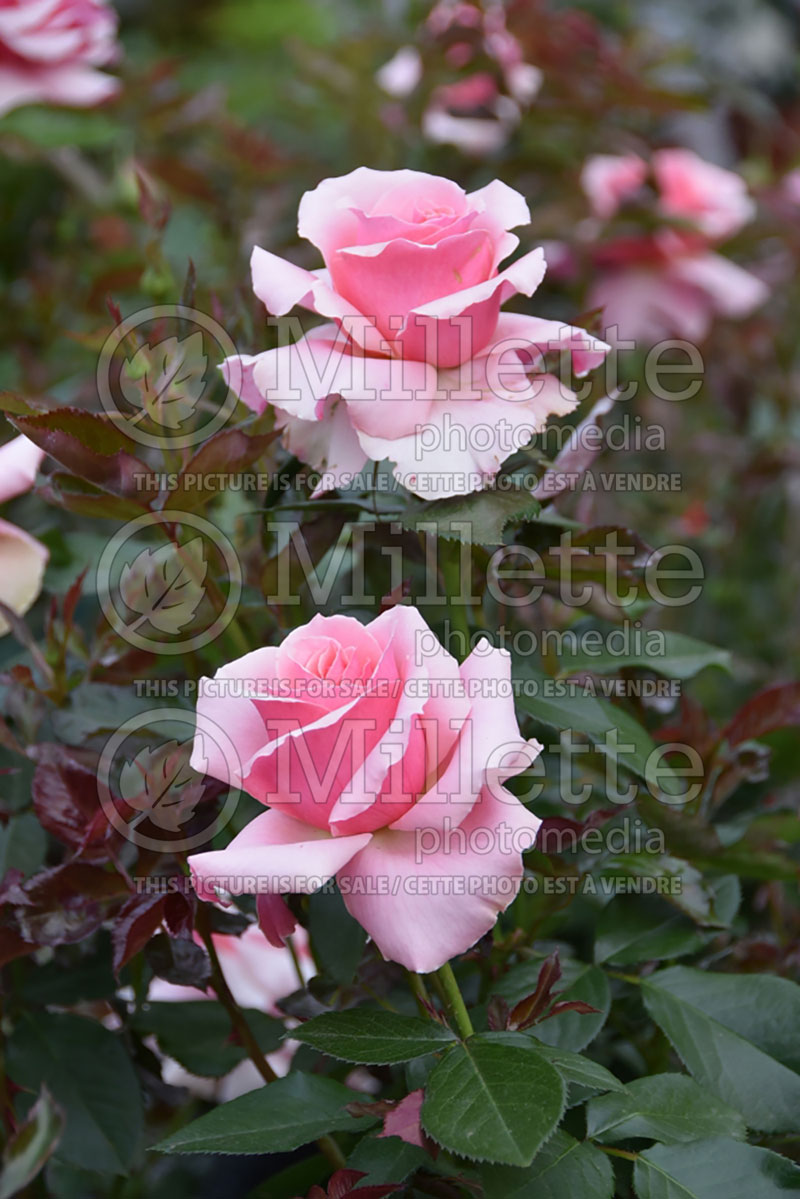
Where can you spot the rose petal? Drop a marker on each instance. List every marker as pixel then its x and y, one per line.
pixel 20 460
pixel 274 854
pixel 422 909
pixel 22 563
pixel 456 327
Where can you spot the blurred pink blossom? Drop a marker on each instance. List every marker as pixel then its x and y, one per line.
pixel 478 112
pixel 709 197
pixel 50 49
pixel 609 179
pixel 670 282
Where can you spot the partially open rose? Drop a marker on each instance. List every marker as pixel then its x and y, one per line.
pixel 22 557
pixel 382 761
pixel 50 49
pixel 413 288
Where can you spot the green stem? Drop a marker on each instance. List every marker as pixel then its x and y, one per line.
pixel 451 560
pixel 454 1000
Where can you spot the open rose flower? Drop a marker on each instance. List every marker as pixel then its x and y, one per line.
pixel 50 49
pixel 670 282
pixel 416 343
pixel 259 976
pixel 382 762
pixel 22 557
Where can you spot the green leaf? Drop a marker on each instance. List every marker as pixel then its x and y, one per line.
pixel 31 1145
pixel 713 1169
pixel 683 658
pixel 51 128
pixel 563 1169
pixel 684 886
pixel 493 1101
pixel 643 928
pixel 690 836
pixel 96 706
pixel 87 978
pixel 612 730
pixel 568 1030
pixel 23 844
pixel 76 495
pixel 284 1115
pixel 337 940
pixel 666 1107
pixel 738 1035
pixel 373 1038
pixel 583 1076
pixel 91 1078
pixel 477 519
pixel 198 1035
pixel 386 1159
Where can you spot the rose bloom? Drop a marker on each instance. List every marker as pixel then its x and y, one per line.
pixel 417 363
pixel 259 976
pixel 22 557
pixel 670 283
pixel 50 49
pixel 382 762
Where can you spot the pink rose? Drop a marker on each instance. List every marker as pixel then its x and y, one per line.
pixel 708 196
pixel 22 558
pixel 49 50
pixel 609 179
pixel 412 288
pixel 382 762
